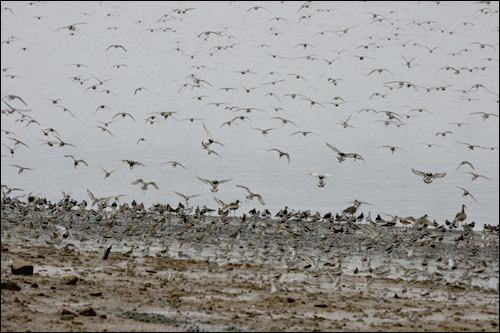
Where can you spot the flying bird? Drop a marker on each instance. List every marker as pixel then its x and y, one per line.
pixel 321 178
pixel 116 46
pixel 214 184
pixel 428 176
pixel 281 153
pixel 252 195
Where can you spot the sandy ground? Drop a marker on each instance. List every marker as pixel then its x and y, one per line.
pixel 170 273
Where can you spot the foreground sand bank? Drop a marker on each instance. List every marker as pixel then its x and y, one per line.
pixel 167 272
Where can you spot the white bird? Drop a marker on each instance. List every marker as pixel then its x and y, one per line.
pixel 208 141
pixel 428 176
pixel 214 184
pixel 321 178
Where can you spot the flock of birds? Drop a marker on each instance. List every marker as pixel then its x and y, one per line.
pixel 28 122
pixel 181 87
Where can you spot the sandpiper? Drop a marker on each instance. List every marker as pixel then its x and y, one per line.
pixel 145 185
pixel 252 195
pixel 461 216
pixel 321 178
pixel 475 176
pixel 174 164
pixel 392 148
pixel 132 163
pixel 281 153
pixel 208 141
pixel 20 169
pixel 466 193
pixel 186 197
pixel 463 163
pixel 214 183
pixel 231 206
pixel 428 176
pixel 340 155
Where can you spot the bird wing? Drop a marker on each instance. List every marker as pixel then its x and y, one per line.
pixel 260 199
pixel 439 175
pixel 225 181
pixel 180 194
pixel 418 173
pixel 246 188
pixel 137 181
pixel 314 174
pixel 333 148
pixel 208 133
pixel 220 202
pixel 206 181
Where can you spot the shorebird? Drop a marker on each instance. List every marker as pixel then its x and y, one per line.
pixel 340 155
pixel 485 115
pixel 443 133
pixel 9 189
pixel 187 197
pixel 12 150
pixel 463 163
pixel 252 195
pixel 430 144
pixel 380 70
pixel 20 169
pixel 104 129
pixel 475 176
pixel 321 178
pixel 174 164
pixel 392 148
pixel 427 176
pixel 123 114
pixel 75 161
pixel 145 185
pixel 281 153
pixel 116 46
pixel 65 109
pixel 264 131
pixel 344 123
pixel 466 193
pixel 461 216
pixel 132 163
pixel 18 142
pixel 208 141
pixel 471 147
pixel 231 206
pixel 214 183
pixel 355 156
pixel 285 121
pixel 352 209
pixel 210 151
pixel 107 174
pixel 304 133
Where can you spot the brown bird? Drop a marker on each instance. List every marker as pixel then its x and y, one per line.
pixel 252 195
pixel 75 161
pixel 466 193
pixel 21 169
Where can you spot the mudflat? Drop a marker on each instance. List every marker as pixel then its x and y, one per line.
pixel 168 271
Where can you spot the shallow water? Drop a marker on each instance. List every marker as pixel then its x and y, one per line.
pixel 385 181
